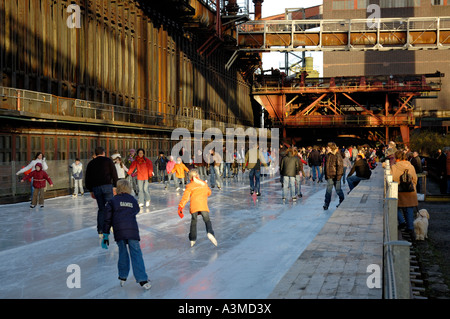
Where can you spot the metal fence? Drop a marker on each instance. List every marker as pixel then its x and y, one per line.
pixel 397 284
pixel 38 104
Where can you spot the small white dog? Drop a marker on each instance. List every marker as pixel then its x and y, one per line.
pixel 421 224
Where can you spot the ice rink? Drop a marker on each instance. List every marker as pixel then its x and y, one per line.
pixel 259 239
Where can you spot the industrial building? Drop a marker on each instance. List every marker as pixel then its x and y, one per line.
pixel 125 73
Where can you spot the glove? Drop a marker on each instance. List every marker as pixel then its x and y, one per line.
pixel 180 212
pixel 105 241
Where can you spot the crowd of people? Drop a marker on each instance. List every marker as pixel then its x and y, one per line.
pixel 121 186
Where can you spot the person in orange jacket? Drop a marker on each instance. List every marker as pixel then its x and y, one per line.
pixel 179 169
pixel 197 191
pixel 144 168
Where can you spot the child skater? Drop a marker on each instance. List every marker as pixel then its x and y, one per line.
pixel 120 214
pixel 40 177
pixel 197 191
pixel 179 170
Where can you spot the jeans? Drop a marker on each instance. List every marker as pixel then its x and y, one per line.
pixel 298 181
pixel 206 219
pixel 409 217
pixel 137 261
pixel 354 180
pixel 212 175
pixel 103 194
pixel 202 172
pixel 169 177
pixel 227 170
pixel 255 175
pixel 144 193
pixel 288 183
pixel 162 175
pixel 322 172
pixel 337 187
pixel 218 178
pixel 315 169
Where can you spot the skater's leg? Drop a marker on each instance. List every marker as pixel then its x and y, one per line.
pixel 40 192
pixel 337 186
pixel 34 197
pixel 251 176
pixel 193 229
pixel 123 264
pixel 137 262
pixel 328 192
pixel 208 223
pixel 140 192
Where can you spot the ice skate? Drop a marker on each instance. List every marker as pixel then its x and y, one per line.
pixel 122 281
pixel 147 203
pixel 192 243
pixel 212 239
pixel 145 284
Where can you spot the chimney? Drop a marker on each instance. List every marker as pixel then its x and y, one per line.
pixel 258 6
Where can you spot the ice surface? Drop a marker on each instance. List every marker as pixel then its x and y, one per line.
pixel 259 239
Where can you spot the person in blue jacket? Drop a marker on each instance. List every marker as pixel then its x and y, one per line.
pixel 120 214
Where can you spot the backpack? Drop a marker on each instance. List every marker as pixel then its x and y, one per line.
pixel 406 184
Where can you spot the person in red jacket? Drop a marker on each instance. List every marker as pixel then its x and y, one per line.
pixel 40 177
pixel 144 168
pixel 197 191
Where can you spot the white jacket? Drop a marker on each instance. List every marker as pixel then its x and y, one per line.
pixel 32 165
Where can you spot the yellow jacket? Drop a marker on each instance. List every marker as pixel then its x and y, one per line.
pixel 179 170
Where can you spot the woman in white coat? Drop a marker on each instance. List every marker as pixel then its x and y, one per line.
pixel 39 158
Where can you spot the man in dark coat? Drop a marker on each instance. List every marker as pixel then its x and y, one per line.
pixel 314 162
pixel 334 169
pixel 289 169
pixel 362 170
pixel 101 179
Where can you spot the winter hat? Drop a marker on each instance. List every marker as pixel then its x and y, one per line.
pixel 38 164
pixel 116 155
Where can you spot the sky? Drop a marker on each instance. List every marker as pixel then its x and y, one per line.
pixel 276 60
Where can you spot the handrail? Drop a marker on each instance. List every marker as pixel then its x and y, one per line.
pixel 43 103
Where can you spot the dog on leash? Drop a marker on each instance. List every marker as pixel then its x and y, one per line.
pixel 421 224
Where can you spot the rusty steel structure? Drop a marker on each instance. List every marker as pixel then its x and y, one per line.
pixel 350 102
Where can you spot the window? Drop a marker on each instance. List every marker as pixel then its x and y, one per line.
pixel 21 148
pixel 5 149
pixel 399 3
pixel 73 148
pixel 343 4
pixel 437 2
pixel 62 148
pixel 49 148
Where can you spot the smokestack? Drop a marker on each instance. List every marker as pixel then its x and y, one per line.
pixel 258 7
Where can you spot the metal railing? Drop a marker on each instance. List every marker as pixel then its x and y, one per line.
pixel 397 284
pixel 39 104
pixel 345 34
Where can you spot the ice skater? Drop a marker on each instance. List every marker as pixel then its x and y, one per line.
pixel 77 177
pixel 179 168
pixel 197 191
pixel 120 214
pixel 40 177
